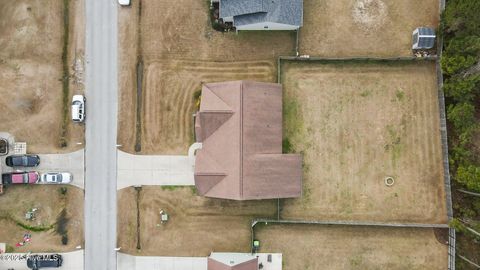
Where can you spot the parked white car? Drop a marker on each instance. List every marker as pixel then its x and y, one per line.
pixel 56 178
pixel 124 2
pixel 78 108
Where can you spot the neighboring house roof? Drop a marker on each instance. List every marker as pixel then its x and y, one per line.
pixel 232 261
pixel 247 12
pixel 240 127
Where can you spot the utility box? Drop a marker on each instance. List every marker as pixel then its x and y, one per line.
pixel 423 38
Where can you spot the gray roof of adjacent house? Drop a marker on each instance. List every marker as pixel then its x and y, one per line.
pixel 257 11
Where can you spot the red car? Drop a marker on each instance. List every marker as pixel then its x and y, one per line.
pixel 20 178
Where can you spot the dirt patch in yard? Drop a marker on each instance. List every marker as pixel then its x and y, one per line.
pixel 196 226
pixel 18 200
pixel 312 247
pixel 357 124
pixel 180 51
pixel 347 28
pixel 31 38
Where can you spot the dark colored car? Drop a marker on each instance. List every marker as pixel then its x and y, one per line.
pixel 44 261
pixel 22 161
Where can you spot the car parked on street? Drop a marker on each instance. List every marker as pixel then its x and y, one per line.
pixel 56 178
pixel 38 261
pixel 22 160
pixel 20 178
pixel 124 2
pixel 78 108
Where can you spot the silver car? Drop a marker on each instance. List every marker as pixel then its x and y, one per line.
pixel 56 178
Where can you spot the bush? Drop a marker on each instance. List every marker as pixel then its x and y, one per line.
pixel 469 176
pixel 457 225
pixel 64 239
pixel 462 116
pixel 452 64
pixel 461 17
pixel 63 190
pixel 462 89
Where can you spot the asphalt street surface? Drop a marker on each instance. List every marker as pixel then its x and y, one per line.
pixel 101 135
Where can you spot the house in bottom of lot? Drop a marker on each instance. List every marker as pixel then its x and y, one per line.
pixel 240 127
pixel 232 261
pixel 244 261
pixel 262 14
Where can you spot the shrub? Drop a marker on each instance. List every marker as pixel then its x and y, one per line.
pixel 452 64
pixel 64 239
pixel 462 116
pixel 462 89
pixel 469 176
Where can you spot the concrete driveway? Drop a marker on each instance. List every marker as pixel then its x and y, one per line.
pixel 70 162
pixel 129 262
pixel 154 170
pixel 71 261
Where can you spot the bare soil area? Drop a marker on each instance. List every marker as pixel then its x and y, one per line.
pixel 357 124
pixel 31 42
pixel 312 247
pixel 180 51
pixel 347 28
pixel 18 200
pixel 196 226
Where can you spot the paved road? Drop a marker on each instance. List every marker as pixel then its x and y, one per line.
pixel 101 133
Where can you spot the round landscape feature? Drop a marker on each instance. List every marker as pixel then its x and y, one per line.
pixel 389 181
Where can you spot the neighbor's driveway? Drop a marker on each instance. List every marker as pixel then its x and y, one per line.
pixel 70 162
pixel 129 262
pixel 71 261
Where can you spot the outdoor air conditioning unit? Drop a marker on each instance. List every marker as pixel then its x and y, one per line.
pixel 423 38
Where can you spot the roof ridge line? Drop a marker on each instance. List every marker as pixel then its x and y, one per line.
pixel 215 94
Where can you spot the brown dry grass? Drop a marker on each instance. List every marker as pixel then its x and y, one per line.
pixel 31 68
pixel 357 123
pixel 17 200
pixel 197 225
pixel 330 29
pixel 181 51
pixel 310 247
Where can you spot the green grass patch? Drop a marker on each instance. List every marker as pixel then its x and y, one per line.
pixel 292 124
pixel 171 188
pixel 366 93
pixel 400 95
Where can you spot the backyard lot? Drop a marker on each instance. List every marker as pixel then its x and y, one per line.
pixel 197 225
pixel 180 51
pixel 311 247
pixel 31 38
pixel 346 28
pixel 18 200
pixel 356 124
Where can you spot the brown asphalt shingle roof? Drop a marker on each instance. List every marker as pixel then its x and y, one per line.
pixel 248 265
pixel 240 126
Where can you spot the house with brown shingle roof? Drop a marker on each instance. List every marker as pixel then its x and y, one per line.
pixel 240 127
pixel 232 261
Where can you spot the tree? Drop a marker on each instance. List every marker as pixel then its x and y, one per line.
pixel 469 176
pixel 462 89
pixel 462 116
